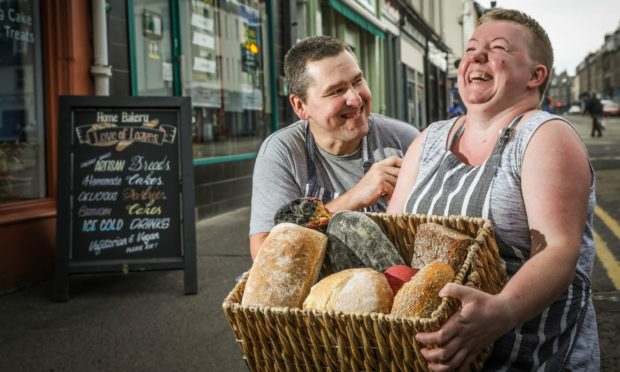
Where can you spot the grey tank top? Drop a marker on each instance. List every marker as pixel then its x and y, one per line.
pixel 564 335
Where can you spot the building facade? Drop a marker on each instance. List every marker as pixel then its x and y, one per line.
pixel 226 55
pixel 600 70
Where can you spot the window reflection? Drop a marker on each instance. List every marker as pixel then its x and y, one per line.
pixel 223 72
pixel 22 147
pixel 153 47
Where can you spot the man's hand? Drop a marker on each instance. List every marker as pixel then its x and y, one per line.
pixel 378 182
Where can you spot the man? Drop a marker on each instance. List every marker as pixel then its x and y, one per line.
pixel 595 109
pixel 338 151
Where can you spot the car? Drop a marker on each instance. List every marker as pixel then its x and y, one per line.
pixel 574 110
pixel 610 108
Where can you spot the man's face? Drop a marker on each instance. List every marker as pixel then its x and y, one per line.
pixel 338 100
pixel 497 68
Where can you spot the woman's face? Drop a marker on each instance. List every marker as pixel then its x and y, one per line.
pixel 497 69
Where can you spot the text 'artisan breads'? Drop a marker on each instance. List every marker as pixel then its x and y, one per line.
pixel 287 265
pixel 420 295
pixel 437 242
pixel 360 290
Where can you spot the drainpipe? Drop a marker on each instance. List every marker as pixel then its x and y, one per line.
pixel 100 69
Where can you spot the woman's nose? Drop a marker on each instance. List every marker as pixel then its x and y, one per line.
pixel 478 55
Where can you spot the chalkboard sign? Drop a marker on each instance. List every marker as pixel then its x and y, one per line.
pixel 125 187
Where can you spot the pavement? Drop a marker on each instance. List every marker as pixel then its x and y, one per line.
pixel 142 321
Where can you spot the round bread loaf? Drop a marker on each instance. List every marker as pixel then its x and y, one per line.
pixel 437 242
pixel 287 264
pixel 420 295
pixel 360 290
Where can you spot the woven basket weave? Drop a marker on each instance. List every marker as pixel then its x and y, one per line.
pixel 283 339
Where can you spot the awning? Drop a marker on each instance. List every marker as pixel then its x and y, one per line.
pixel 355 17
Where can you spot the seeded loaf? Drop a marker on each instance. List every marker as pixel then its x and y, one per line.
pixel 420 295
pixel 287 265
pixel 437 242
pixel 359 290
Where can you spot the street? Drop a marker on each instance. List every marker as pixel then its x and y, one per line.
pixel 605 157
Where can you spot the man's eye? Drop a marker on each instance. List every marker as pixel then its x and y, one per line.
pixel 358 81
pixel 338 91
pixel 470 49
pixel 501 47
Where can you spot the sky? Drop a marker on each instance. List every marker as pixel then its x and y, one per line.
pixel 575 27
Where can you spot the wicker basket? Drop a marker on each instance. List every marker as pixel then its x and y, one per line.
pixel 283 339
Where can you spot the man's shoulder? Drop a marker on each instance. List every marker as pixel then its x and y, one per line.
pixel 386 124
pixel 290 136
pixel 382 119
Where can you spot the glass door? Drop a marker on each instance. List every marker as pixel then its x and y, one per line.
pixel 152 53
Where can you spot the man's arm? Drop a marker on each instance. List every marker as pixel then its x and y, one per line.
pixel 377 183
pixel 273 185
pixel 256 241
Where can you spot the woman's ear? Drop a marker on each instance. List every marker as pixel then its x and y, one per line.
pixel 298 106
pixel 538 76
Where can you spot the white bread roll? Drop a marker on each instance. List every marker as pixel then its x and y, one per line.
pixel 361 290
pixel 287 264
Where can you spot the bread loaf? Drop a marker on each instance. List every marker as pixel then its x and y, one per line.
pixel 437 242
pixel 420 295
pixel 287 265
pixel 360 290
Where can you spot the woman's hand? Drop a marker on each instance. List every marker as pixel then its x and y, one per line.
pixel 481 320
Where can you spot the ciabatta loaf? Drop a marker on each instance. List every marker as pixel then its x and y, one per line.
pixel 287 265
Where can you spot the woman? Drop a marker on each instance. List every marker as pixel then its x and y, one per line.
pixel 528 172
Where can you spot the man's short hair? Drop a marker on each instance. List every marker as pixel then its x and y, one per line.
pixel 538 42
pixel 309 50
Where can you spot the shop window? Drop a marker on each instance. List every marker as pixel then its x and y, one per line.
pixel 224 71
pixel 22 141
pixel 153 54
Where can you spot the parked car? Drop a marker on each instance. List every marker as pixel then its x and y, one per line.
pixel 574 110
pixel 610 108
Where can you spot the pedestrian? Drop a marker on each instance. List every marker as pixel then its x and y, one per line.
pixel 339 151
pixel 528 172
pixel 595 108
pixel 455 110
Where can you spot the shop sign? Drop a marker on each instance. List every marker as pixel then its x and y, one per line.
pixel 125 187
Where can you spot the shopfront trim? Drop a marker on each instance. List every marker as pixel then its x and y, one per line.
pixel 355 17
pixel 224 159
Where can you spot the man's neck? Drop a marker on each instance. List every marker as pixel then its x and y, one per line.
pixel 334 146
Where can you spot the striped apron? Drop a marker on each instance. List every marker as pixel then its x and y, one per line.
pixel 454 188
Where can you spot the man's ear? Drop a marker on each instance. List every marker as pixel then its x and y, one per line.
pixel 538 76
pixel 298 106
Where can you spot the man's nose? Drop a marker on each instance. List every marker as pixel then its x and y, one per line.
pixel 354 97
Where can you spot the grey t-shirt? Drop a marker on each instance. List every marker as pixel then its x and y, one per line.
pixel 281 171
